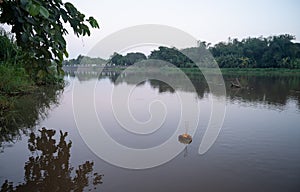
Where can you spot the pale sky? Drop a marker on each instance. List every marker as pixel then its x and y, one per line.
pixel 209 20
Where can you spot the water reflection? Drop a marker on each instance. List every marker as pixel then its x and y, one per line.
pixel 272 91
pixel 49 169
pixel 256 147
pixel 276 90
pixel 26 113
pixel 185 139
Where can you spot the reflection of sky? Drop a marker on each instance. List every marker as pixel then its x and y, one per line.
pixel 257 146
pixel 140 106
pixel 212 21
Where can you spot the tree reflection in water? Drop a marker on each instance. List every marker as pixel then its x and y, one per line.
pixel 49 169
pixel 27 112
pixel 271 90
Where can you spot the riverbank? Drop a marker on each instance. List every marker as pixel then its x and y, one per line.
pixel 225 71
pixel 14 83
pixel 249 71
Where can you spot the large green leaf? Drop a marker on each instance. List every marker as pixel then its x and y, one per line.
pixel 24 37
pixel 44 12
pixel 34 10
pixel 93 22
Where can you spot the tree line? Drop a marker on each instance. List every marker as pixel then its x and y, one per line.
pixel 253 52
pixel 271 52
pixel 84 60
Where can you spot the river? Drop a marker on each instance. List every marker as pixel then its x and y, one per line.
pixel 257 148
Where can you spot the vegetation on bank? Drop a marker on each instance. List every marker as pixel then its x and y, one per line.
pixel 248 71
pixel 38 45
pixel 84 60
pixel 32 53
pixel 224 71
pixel 13 77
pixel 270 52
pixel 261 71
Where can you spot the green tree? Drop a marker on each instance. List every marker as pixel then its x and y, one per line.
pixel 128 59
pixel 39 31
pixel 117 59
pixel 275 51
pixel 132 58
pixel 171 55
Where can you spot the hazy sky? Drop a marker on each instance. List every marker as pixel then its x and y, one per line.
pixel 209 20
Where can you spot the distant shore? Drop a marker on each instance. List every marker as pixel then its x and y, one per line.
pixel 225 71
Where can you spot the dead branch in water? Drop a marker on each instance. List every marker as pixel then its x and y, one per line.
pixel 236 84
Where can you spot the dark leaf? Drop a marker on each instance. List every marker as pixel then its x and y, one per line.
pixel 44 12
pixel 24 2
pixel 34 10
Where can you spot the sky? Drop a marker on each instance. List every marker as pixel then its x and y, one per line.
pixel 207 20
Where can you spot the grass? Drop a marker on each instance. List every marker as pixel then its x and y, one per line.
pixel 13 78
pixel 261 71
pixel 14 81
pixel 245 71
pixel 225 71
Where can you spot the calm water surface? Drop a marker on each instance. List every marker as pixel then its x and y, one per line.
pixel 256 150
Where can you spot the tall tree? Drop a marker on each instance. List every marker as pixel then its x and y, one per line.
pixel 38 26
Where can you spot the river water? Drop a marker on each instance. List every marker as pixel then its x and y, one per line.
pixel 257 149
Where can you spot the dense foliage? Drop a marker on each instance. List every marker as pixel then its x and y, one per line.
pixel 128 59
pixel 13 77
pixel 171 55
pixel 272 52
pixel 39 32
pixel 84 60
